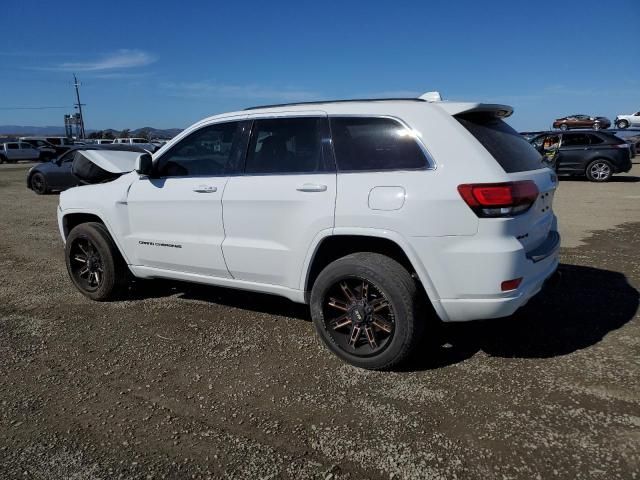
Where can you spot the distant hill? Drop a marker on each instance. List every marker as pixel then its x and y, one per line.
pixel 20 130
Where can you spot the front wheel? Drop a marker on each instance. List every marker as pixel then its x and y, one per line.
pixel 599 171
pixel 596 126
pixel 365 307
pixel 622 124
pixel 94 263
pixel 564 127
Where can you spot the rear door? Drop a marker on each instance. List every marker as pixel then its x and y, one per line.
pixel 573 152
pixel 282 201
pixel 175 218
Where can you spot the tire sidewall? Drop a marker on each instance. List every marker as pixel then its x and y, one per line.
pixel 100 239
pixel 623 124
pixel 401 303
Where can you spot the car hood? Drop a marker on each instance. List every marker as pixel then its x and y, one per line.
pixel 113 161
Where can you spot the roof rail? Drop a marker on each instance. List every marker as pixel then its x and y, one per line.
pixel 339 101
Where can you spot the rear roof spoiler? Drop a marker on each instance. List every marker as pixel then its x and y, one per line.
pixel 460 108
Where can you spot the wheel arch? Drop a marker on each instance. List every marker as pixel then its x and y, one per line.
pixel 339 243
pixel 75 218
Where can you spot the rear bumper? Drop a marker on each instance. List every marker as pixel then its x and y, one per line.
pixel 467 309
pixel 468 275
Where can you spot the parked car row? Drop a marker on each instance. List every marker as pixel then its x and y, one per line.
pixel 579 120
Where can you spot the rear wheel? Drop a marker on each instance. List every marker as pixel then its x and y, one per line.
pixel 365 307
pixel 94 263
pixel 622 124
pixel 2 159
pixel 38 183
pixel 599 170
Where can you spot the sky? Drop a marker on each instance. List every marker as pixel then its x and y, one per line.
pixel 168 64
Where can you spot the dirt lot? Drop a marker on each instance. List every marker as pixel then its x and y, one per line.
pixel 196 382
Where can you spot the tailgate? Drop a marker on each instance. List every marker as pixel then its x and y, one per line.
pixel 532 227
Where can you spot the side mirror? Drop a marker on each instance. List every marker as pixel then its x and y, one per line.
pixel 144 164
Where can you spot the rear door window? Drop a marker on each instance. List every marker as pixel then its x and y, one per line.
pixel 288 145
pixel 510 150
pixel 375 144
pixel 12 146
pixel 575 140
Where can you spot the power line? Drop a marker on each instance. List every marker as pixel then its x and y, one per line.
pixel 30 108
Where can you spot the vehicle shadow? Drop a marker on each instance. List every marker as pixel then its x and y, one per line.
pixel 575 312
pixel 614 179
pixel 254 301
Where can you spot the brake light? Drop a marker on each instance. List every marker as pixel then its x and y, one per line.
pixel 499 199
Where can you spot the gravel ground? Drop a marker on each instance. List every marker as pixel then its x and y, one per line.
pixel 186 381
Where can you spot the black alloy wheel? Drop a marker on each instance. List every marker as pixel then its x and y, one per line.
pixel 367 309
pixel 94 263
pixel 38 183
pixel 358 316
pixel 87 267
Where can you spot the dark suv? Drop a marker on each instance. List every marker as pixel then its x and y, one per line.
pixel 596 154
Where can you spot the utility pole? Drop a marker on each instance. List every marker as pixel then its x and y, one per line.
pixel 79 105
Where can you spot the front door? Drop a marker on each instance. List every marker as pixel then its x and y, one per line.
pixel 175 218
pixel 284 199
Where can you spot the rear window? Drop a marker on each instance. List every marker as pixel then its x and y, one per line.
pixel 375 144
pixel 511 151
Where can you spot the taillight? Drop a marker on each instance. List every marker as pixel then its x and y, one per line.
pixel 499 199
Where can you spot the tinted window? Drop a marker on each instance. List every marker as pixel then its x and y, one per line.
pixel 25 146
pixel 511 151
pixel 594 139
pixel 207 151
pixel 575 139
pixel 374 144
pixel 12 146
pixel 55 141
pixel 287 145
pixel 139 140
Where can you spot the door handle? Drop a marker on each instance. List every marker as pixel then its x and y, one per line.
pixel 205 189
pixel 311 187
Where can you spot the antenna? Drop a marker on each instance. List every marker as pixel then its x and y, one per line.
pixel 79 105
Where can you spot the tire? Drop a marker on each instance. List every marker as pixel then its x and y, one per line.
pixel 564 127
pixel 622 124
pixel 2 159
pixel 38 183
pixel 596 126
pixel 383 340
pixel 600 170
pixel 89 246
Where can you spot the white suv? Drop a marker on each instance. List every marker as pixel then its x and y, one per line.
pixel 628 120
pixel 369 210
